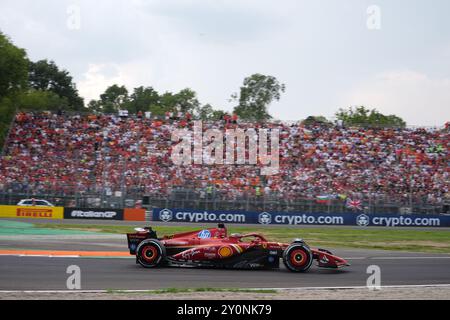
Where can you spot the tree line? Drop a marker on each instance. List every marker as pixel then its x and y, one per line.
pixel 43 86
pixel 256 94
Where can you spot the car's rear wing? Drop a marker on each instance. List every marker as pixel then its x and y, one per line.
pixel 134 239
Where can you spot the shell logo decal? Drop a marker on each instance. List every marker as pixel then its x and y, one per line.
pixel 225 252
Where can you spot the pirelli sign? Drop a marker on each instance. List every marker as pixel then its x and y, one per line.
pixel 31 212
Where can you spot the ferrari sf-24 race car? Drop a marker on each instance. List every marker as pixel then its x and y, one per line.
pixel 216 249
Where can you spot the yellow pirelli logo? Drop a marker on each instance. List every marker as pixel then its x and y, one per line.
pixel 31 212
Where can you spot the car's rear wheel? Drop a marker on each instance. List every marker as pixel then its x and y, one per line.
pixel 298 257
pixel 151 253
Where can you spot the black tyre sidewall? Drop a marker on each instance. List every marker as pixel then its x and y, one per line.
pixel 286 257
pixel 159 247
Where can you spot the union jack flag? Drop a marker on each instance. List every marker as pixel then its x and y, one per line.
pixel 354 204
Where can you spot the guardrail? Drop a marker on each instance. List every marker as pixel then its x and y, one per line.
pixel 228 216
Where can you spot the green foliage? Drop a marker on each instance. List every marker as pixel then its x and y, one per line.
pixel 204 112
pixel 113 99
pixel 361 116
pixel 312 120
pixel 183 101
pixel 193 290
pixel 38 100
pixel 13 67
pixel 207 113
pixel 157 110
pixel 167 102
pixel 7 110
pixel 186 101
pixel 94 106
pixel 143 99
pixel 13 79
pixel 218 114
pixel 32 86
pixel 256 94
pixel 45 75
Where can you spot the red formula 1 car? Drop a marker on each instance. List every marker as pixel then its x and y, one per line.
pixel 214 248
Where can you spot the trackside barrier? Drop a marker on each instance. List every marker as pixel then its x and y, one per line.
pixel 134 215
pixel 280 218
pixel 93 214
pixel 105 214
pixel 71 213
pixel 32 212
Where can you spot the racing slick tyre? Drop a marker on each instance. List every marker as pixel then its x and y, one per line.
pixel 298 257
pixel 151 253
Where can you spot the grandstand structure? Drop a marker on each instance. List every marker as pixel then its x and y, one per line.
pixel 87 160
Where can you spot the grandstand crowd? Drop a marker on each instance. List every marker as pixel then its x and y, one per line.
pixel 68 154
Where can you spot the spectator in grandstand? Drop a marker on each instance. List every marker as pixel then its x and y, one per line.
pixel 67 154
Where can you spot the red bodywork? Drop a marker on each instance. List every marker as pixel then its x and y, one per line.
pixel 213 247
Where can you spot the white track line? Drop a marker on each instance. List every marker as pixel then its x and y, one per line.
pixel 250 289
pixel 396 258
pixel 407 258
pixel 412 286
pixel 62 256
pixel 39 255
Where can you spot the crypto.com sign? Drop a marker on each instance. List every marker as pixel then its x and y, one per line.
pixel 198 147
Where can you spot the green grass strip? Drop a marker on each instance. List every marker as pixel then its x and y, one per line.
pixel 193 290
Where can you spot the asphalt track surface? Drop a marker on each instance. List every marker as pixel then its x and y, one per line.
pixel 41 273
pixel 49 273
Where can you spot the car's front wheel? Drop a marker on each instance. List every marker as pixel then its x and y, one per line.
pixel 298 257
pixel 151 253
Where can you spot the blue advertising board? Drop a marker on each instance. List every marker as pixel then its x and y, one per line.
pixel 296 218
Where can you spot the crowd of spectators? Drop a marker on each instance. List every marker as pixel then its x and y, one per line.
pixel 69 154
